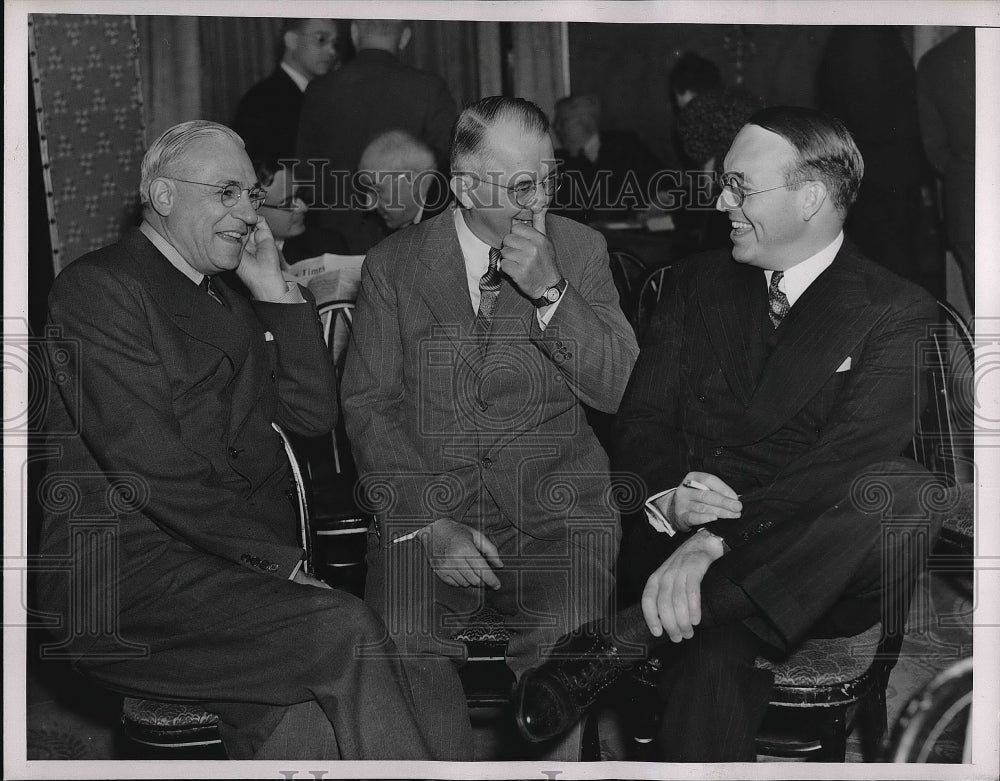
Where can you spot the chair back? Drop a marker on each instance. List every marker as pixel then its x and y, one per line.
pixel 302 501
pixel 337 319
pixel 647 296
pixel 626 272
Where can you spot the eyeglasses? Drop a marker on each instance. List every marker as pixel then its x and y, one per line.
pixel 523 192
pixel 230 194
pixel 292 204
pixel 734 193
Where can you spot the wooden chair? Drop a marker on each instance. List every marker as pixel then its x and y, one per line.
pixel 184 730
pixel 341 529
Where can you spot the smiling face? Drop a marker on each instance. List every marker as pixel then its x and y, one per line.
pixel 513 156
pixel 207 234
pixel 769 229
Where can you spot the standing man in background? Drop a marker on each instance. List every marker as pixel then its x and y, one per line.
pixel 347 109
pixel 267 117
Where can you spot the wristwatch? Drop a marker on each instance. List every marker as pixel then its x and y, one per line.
pixel 552 294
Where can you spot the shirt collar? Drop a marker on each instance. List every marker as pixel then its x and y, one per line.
pixel 475 251
pixel 800 276
pixel 170 253
pixel 300 81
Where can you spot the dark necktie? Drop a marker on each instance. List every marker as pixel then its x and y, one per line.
pixel 777 301
pixel 209 287
pixel 489 291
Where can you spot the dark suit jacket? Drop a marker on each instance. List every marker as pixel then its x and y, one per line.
pixel 344 110
pixel 789 431
pixel 172 396
pixel 267 117
pixel 433 420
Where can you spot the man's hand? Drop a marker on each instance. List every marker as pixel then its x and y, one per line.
pixel 460 556
pixel 671 601
pixel 260 266
pixel 529 258
pixel 305 579
pixel 689 506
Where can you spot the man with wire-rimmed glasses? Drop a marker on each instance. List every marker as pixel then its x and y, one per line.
pixel 479 336
pixel 774 379
pixel 171 389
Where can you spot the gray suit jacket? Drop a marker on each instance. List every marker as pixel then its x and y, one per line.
pixel 433 417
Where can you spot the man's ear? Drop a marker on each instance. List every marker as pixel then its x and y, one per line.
pixel 291 40
pixel 461 185
pixel 354 34
pixel 404 37
pixel 814 196
pixel 161 196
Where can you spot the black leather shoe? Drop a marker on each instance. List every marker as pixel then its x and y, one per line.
pixel 551 698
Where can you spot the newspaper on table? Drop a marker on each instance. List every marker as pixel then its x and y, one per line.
pixel 329 277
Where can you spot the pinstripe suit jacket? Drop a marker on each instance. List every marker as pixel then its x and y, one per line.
pixel 170 396
pixel 435 414
pixel 787 430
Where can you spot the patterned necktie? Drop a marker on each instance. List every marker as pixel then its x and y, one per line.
pixel 777 301
pixel 489 291
pixel 208 287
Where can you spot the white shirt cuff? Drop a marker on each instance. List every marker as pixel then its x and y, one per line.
pixel 295 570
pixel 405 537
pixel 543 319
pixel 293 294
pixel 656 518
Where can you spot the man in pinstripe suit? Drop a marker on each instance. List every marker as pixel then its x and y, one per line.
pixel 479 337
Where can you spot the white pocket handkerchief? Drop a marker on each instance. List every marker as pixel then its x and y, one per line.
pixel 845 366
pixel 269 337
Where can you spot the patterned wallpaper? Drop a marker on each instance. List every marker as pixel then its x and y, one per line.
pixel 85 76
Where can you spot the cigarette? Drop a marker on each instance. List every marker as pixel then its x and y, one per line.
pixel 695 484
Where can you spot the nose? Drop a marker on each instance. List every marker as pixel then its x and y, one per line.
pixel 244 210
pixel 720 203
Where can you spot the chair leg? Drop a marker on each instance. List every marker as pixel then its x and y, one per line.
pixel 833 737
pixel 873 724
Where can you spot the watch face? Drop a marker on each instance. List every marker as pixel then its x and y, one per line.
pixel 552 294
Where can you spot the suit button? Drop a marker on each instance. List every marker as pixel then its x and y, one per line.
pixel 487 462
pixel 273 378
pixel 702 397
pixel 272 567
pixel 264 564
pixel 568 356
pixel 233 452
pixel 717 452
pixel 483 405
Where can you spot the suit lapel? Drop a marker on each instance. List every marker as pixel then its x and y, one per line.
pixel 731 307
pixel 444 289
pixel 821 330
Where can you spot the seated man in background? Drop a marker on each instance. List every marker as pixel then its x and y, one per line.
pixel 169 397
pixel 605 173
pixel 267 117
pixel 399 178
pixel 479 336
pixel 774 381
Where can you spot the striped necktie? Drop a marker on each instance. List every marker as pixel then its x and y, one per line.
pixel 489 291
pixel 777 301
pixel 209 287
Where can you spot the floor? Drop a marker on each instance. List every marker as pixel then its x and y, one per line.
pixel 69 719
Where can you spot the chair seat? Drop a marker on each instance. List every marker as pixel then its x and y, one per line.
pixel 172 715
pixel 486 627
pixel 826 661
pixel 959 520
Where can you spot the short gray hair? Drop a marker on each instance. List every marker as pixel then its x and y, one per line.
pixel 397 150
pixel 169 149
pixel 468 138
